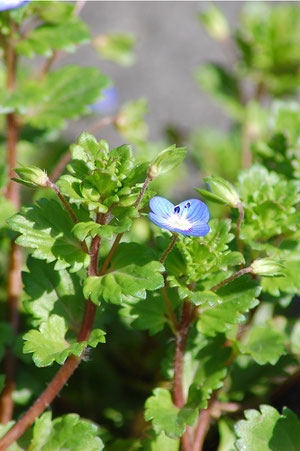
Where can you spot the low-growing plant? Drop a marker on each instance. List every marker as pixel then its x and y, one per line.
pixel 174 317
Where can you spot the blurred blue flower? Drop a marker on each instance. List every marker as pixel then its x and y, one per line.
pixel 107 105
pixel 10 4
pixel 188 218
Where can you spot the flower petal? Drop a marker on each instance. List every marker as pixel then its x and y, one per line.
pixel 161 206
pixel 199 229
pixel 160 221
pixel 197 211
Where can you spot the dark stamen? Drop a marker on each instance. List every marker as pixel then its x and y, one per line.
pixel 187 205
pixel 177 209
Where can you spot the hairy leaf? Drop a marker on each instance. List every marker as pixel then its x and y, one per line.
pixel 48 345
pixel 133 271
pixel 46 228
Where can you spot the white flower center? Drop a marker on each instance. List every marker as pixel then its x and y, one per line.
pixel 178 222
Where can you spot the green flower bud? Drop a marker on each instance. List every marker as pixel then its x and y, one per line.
pixel 268 267
pixel 222 192
pixel 166 160
pixel 215 23
pixel 32 176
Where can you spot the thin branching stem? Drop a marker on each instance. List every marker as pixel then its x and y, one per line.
pixel 234 276
pixel 14 283
pixel 71 363
pixel 169 248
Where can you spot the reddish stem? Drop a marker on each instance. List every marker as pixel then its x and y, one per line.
pixel 72 362
pixel 181 337
pixel 14 285
pixel 165 254
pixel 234 276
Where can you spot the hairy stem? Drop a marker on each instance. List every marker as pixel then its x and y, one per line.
pixel 171 313
pixel 71 363
pixel 63 201
pixel 14 283
pixel 202 426
pixel 234 276
pixel 165 254
pixel 181 337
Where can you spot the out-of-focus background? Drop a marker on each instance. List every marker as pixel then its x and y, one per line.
pixel 171 43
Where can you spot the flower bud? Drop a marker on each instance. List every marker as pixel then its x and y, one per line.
pixel 215 23
pixel 222 192
pixel 32 176
pixel 166 160
pixel 268 267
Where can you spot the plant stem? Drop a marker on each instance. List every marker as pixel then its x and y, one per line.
pixel 203 424
pixel 14 283
pixel 234 276
pixel 238 228
pixel 63 201
pixel 172 315
pixel 181 337
pixel 71 363
pixel 164 255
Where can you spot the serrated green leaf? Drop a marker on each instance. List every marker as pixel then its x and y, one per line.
pixel 133 271
pixel 227 436
pixel 64 94
pixel 45 287
pixel 268 430
pixel 46 228
pixel 151 313
pixel 45 39
pixel 238 297
pixel 165 416
pixel 116 47
pixel 204 368
pixel 69 432
pixel 48 345
pixel 264 344
pixel 210 254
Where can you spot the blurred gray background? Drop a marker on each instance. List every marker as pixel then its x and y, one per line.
pixel 171 43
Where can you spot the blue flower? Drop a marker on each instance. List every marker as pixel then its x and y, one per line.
pixel 188 218
pixel 108 104
pixel 10 4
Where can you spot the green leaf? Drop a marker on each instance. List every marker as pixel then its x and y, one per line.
pixel 238 297
pixel 46 228
pixel 166 161
pixel 205 256
pixel 204 368
pixel 45 287
pixel 268 430
pixel 165 416
pixel 151 313
pixel 48 345
pixel 133 270
pixel 45 39
pixel 269 203
pixel 160 442
pixel 227 436
pixel 69 432
pixel 264 344
pixel 116 47
pixel 64 94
